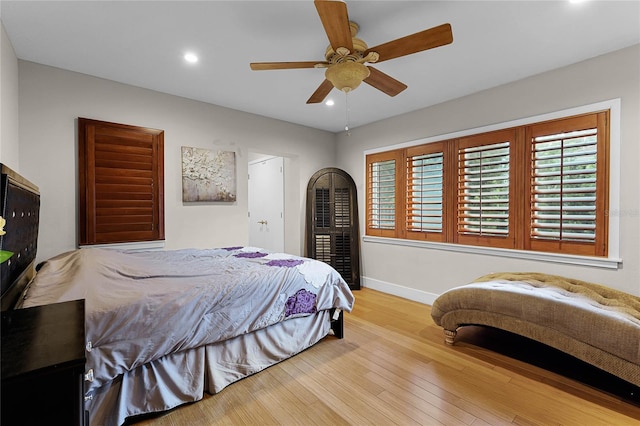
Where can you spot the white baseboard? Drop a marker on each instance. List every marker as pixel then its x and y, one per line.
pixel 398 290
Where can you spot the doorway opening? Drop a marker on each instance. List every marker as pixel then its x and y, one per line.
pixel 266 202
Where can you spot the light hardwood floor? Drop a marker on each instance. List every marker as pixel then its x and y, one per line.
pixel 392 367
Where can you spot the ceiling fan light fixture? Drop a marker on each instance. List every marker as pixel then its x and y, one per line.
pixel 191 57
pixel 347 76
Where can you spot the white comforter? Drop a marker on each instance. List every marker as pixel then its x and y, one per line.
pixel 141 306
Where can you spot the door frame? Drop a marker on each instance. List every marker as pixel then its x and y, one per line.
pixel 258 158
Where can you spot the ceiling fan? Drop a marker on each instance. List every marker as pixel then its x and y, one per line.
pixel 346 55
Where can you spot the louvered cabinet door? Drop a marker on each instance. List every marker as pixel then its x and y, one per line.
pixel 332 223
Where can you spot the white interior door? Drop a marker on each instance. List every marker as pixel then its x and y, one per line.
pixel 266 204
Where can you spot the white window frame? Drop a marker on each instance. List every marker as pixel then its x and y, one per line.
pixel 612 261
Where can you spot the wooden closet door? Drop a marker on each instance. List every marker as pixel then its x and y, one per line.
pixel 332 223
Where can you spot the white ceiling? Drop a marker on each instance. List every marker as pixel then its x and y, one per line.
pixel 142 43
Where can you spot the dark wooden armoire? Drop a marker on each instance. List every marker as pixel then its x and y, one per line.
pixel 332 223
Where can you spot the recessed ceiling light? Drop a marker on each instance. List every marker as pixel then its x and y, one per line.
pixel 329 102
pixel 190 57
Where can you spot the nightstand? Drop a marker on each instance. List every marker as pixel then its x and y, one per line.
pixel 43 363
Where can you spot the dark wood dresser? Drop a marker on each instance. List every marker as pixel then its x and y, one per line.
pixel 43 361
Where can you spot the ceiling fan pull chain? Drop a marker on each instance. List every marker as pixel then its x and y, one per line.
pixel 346 104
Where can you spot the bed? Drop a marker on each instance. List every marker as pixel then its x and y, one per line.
pixel 163 327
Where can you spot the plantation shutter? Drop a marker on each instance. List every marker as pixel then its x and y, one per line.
pixel 322 216
pixel 567 172
pixel 384 187
pixel 344 225
pixel 485 190
pixel 425 198
pixel 332 223
pixel 121 183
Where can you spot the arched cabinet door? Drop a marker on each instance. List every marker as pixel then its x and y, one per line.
pixel 332 223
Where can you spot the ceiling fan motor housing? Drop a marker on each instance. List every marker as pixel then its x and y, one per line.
pixel 346 70
pixel 343 54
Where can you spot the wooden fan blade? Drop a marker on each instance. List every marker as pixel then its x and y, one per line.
pixel 335 20
pixel 423 40
pixel 321 92
pixel 384 82
pixel 260 66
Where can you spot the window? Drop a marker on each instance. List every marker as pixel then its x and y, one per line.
pixel 384 180
pixel 425 218
pixel 567 186
pixel 540 187
pixel 486 190
pixel 121 184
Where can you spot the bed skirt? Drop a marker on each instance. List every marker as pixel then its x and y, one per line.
pixel 184 376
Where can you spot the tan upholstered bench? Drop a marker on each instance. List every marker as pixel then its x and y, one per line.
pixel 591 322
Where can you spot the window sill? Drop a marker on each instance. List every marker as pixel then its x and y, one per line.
pixel 140 245
pixel 598 262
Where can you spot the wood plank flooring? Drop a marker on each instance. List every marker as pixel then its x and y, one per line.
pixel 393 367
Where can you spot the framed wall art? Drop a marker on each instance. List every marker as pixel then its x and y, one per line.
pixel 208 175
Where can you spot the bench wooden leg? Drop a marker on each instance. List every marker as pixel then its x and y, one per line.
pixel 449 336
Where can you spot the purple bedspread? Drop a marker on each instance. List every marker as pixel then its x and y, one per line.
pixel 143 305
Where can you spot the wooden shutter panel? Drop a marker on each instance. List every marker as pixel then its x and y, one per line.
pixel 385 186
pixel 382 177
pixel 425 192
pixel 322 223
pixel 323 210
pixel 121 183
pixel 568 176
pixel 485 190
pixel 343 224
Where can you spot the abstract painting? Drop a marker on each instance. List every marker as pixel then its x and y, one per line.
pixel 208 175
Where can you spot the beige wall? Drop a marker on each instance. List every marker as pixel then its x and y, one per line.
pixel 9 152
pixel 422 273
pixel 52 99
